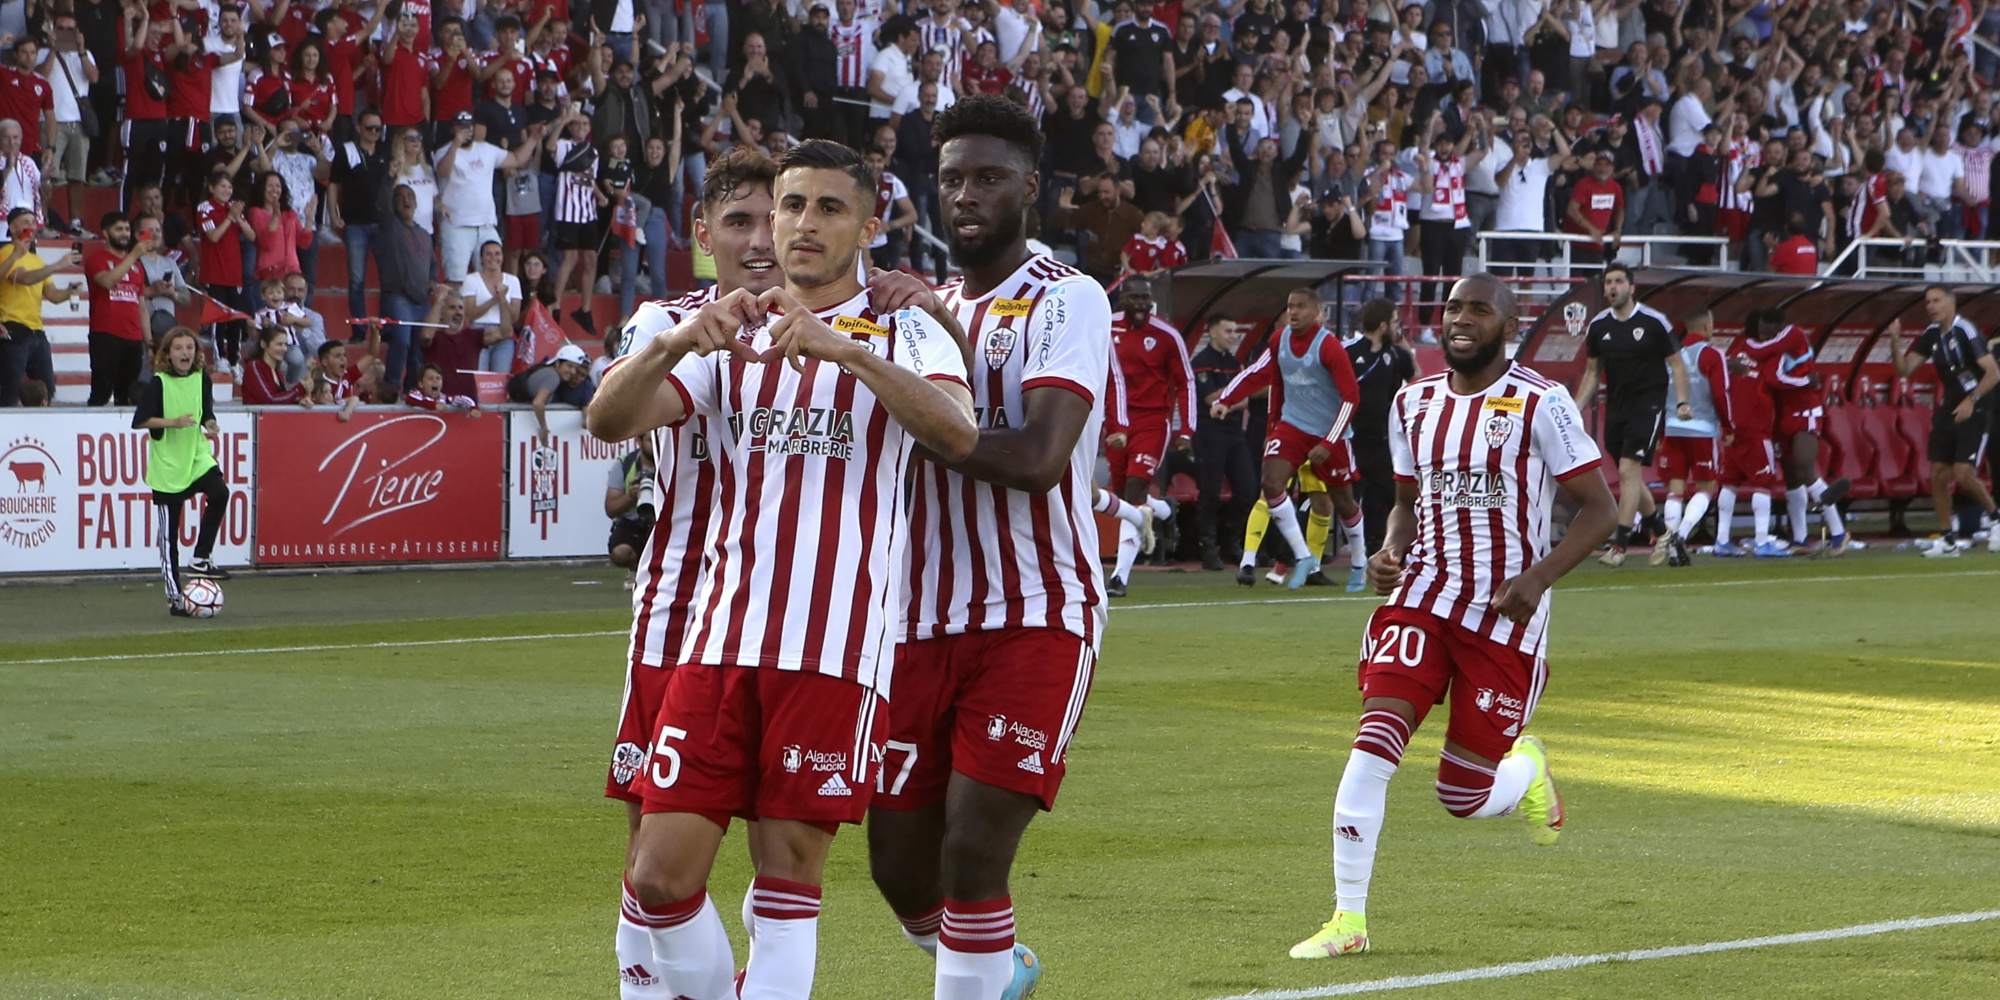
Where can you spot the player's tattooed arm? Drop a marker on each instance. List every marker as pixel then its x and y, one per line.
pixel 1518 597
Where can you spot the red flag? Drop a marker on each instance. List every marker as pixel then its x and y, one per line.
pixel 1220 246
pixel 539 338
pixel 215 312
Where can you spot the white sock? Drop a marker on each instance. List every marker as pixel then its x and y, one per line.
pixel 691 951
pixel 1673 512
pixel 1357 542
pixel 975 959
pixel 1510 781
pixel 749 919
pixel 923 931
pixel 638 974
pixel 1358 809
pixel 1725 514
pixel 1760 516
pixel 1161 509
pixel 786 952
pixel 1286 516
pixel 1110 503
pixel 1829 513
pixel 1691 515
pixel 1795 507
pixel 1128 551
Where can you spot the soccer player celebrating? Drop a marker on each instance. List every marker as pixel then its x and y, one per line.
pixel 1967 375
pixel 1688 452
pixel 1784 357
pixel 1150 381
pixel 1006 605
pixel 1479 452
pixel 733 225
pixel 776 709
pixel 1627 344
pixel 1749 451
pixel 1313 396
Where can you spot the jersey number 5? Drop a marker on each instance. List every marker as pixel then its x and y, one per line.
pixel 1399 644
pixel 662 751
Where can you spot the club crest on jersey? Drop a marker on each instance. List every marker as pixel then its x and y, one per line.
pixel 1639 333
pixel 996 727
pixel 1484 700
pixel 792 758
pixel 1000 344
pixel 1499 430
pixel 626 762
pixel 1150 343
pixel 1575 315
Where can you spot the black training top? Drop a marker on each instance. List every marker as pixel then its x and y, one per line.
pixel 1633 353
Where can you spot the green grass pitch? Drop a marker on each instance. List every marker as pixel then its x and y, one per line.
pixel 1746 749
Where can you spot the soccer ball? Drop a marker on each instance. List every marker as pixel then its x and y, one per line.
pixel 204 598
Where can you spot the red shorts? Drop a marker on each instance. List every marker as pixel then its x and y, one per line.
pixel 764 743
pixel 1690 459
pixel 1145 448
pixel 1800 411
pixel 1288 443
pixel 1752 463
pixel 524 232
pixel 645 688
pixel 998 707
pixel 1418 657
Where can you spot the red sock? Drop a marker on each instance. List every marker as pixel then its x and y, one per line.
pixel 923 924
pixel 1462 785
pixel 980 926
pixel 1384 734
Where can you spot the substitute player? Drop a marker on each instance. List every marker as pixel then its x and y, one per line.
pixel 1785 361
pixel 1967 375
pixel 1688 451
pixel 776 709
pixel 733 225
pixel 1480 451
pixel 1749 454
pixel 1632 346
pixel 1006 604
pixel 1313 397
pixel 1149 385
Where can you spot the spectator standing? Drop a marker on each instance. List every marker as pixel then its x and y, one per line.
pixel 1109 220
pixel 451 65
pixel 409 167
pixel 1256 207
pixel 1222 449
pixel 117 328
pixel 147 129
pixel 225 81
pixel 889 71
pixel 1444 222
pixel 26 96
pixel 345 46
pixel 853 42
pixel 492 304
pixel 359 173
pixel 816 59
pixel 297 155
pixel 280 233
pixel 1144 59
pixel 166 289
pixel 24 285
pixel 406 92
pixel 762 90
pixel 190 92
pixel 408 269
pixel 224 230
pixel 916 162
pixel 71 71
pixel 1526 166
pixel 655 181
pixel 1596 209
pixel 465 172
pixel 1388 195
pixel 1943 190
pixel 577 202
pixel 624 105
pixel 20 178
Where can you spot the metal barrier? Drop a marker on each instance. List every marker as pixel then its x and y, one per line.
pixel 1638 251
pixel 1972 261
pixel 1420 298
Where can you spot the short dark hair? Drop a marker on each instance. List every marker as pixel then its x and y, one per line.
pixel 1615 266
pixel 109 219
pixel 17 213
pixel 1376 313
pixel 988 114
pixel 897 28
pixel 1940 286
pixel 326 348
pixel 739 166
pixel 825 154
pixel 508 21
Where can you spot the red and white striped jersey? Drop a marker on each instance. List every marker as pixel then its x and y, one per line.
pixel 670 563
pixel 1486 467
pixel 803 567
pixel 986 557
pixel 853 46
pixel 1152 374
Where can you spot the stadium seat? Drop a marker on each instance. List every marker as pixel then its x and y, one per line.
pixel 1853 452
pixel 1182 489
pixel 1913 422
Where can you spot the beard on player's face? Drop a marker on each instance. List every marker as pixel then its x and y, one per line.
pixel 999 231
pixel 1475 358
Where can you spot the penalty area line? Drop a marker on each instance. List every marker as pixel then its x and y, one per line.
pixel 1772 582
pixel 328 647
pixel 1560 963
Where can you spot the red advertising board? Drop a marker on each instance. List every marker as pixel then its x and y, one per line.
pixel 383 487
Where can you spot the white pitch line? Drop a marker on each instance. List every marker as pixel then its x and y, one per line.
pixel 114 657
pixel 1560 963
pixel 1775 581
pixel 307 649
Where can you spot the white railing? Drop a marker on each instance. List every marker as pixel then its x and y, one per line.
pixel 1634 250
pixel 1964 260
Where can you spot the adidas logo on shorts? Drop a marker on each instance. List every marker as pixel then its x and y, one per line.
pixel 1032 763
pixel 835 786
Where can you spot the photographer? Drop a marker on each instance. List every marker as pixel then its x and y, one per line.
pixel 468 215
pixel 628 501
pixel 298 156
pixel 71 71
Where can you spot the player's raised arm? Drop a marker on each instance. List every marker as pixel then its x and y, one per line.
pixel 1069 351
pixel 637 396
